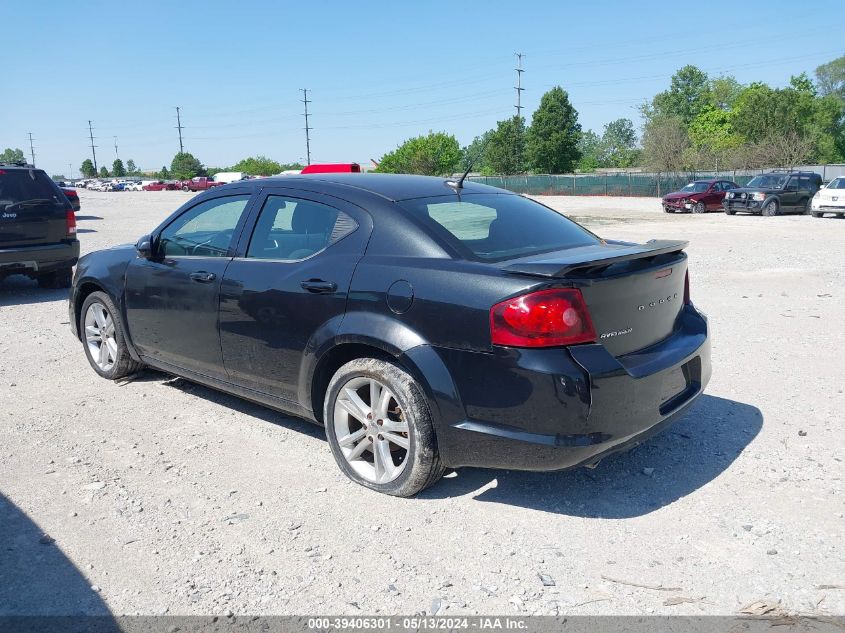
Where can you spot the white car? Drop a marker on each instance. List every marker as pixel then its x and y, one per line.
pixel 133 186
pixel 830 199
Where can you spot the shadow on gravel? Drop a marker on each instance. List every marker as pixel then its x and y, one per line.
pixel 80 230
pixel 37 578
pixel 88 217
pixel 21 290
pixel 231 402
pixel 685 457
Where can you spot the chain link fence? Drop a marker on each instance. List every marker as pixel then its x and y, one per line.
pixel 628 183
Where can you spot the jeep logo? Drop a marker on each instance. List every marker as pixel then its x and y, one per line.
pixel 10 215
pixel 657 302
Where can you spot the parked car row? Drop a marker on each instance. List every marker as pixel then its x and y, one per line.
pixel 774 193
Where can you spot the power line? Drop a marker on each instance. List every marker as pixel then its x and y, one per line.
pixel 179 127
pixel 305 101
pixel 518 86
pixel 93 151
pixel 31 148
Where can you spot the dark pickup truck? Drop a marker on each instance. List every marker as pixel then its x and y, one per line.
pixel 37 227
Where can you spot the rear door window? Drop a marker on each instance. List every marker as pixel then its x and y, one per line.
pixel 495 227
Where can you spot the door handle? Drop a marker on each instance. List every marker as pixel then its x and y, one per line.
pixel 203 277
pixel 318 286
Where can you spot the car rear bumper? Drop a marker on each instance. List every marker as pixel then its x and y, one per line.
pixel 31 260
pixel 554 409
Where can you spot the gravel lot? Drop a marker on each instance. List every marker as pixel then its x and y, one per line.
pixel 167 497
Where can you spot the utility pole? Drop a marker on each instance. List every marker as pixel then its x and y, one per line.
pixel 307 129
pixel 70 170
pixel 518 85
pixel 179 127
pixel 31 149
pixel 115 148
pixel 93 152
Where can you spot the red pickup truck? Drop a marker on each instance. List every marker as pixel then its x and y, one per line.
pixel 200 183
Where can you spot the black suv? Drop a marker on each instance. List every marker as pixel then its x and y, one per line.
pixel 37 227
pixel 775 193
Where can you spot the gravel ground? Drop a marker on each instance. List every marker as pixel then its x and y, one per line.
pixel 160 496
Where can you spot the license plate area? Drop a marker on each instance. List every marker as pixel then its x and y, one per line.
pixel 679 385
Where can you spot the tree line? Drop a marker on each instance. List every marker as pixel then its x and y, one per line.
pixel 697 123
pixel 185 166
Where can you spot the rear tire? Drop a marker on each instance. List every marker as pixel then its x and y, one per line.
pixel 389 447
pixel 57 279
pixel 771 208
pixel 100 327
pixel 808 207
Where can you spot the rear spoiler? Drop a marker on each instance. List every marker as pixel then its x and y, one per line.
pixel 564 263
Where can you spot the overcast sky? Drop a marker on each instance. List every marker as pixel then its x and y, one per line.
pixel 377 72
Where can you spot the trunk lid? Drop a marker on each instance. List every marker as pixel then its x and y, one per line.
pixel 634 292
pixel 33 210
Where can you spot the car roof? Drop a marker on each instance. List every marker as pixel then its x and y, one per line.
pixel 392 187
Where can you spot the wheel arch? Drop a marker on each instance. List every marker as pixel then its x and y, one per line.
pixel 362 335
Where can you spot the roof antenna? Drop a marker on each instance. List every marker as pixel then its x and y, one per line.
pixel 457 186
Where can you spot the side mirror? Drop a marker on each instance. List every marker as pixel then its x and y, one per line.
pixel 144 246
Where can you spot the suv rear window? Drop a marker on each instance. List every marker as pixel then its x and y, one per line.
pixel 494 227
pixel 23 185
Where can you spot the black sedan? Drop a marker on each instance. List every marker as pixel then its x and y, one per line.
pixel 426 323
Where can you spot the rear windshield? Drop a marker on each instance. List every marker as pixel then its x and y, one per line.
pixel 23 185
pixel 494 227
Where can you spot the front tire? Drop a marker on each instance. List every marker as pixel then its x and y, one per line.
pixel 102 336
pixel 818 214
pixel 729 211
pixel 699 207
pixel 771 208
pixel 379 428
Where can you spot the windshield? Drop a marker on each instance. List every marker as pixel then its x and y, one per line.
pixel 494 227
pixel 696 187
pixel 767 181
pixel 27 186
pixel 836 183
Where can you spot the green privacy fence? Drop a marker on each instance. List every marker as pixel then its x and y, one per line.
pixel 620 184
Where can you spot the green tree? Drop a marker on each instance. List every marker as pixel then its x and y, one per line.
pixel 831 78
pixel 257 166
pixel 591 151
pixel 664 143
pixel 131 169
pixel 12 155
pixel 58 177
pixel 104 173
pixel 803 83
pixel 761 112
pixel 724 92
pixel 687 97
pixel 619 144
pixel 117 168
pixel 505 150
pixel 185 166
pixel 435 154
pixel 551 143
pixel 87 168
pixel 164 174
pixel 473 155
pixel 291 166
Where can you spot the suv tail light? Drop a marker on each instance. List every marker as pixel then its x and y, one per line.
pixel 545 318
pixel 687 300
pixel 71 223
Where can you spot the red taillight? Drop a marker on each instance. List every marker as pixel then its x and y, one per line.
pixel 71 223
pixel 687 299
pixel 542 319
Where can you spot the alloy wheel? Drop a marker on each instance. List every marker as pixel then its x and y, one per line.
pixel 372 430
pixel 100 336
